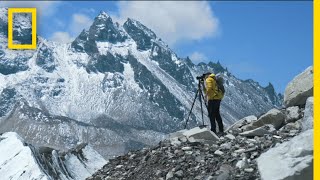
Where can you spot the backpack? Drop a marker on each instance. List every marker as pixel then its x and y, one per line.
pixel 219 81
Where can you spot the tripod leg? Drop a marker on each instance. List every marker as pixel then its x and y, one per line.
pixel 194 100
pixel 205 103
pixel 200 99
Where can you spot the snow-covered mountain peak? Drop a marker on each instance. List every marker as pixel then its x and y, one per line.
pixel 4 14
pixel 139 25
pixel 105 30
pixel 142 35
pixel 3 21
pixel 103 15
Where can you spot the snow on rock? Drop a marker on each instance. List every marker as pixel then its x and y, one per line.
pixel 290 160
pixel 307 121
pixel 299 89
pixel 19 160
pixel 16 159
pixel 82 167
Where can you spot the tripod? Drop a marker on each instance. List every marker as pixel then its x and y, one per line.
pixel 199 94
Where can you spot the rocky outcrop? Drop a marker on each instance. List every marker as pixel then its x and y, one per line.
pixel 17 160
pixel 242 122
pixel 299 89
pixel 307 121
pixel 290 160
pixel 182 156
pixel 20 160
pixel 142 35
pixel 260 131
pixel 274 117
pixel 292 114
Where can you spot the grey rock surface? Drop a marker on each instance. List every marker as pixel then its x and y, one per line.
pixel 274 117
pixel 260 131
pixel 299 89
pixel 290 160
pixel 201 133
pixel 292 114
pixel 307 121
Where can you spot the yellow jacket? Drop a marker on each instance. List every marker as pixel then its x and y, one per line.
pixel 212 91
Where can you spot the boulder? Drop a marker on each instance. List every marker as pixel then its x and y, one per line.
pixel 177 134
pixel 225 171
pixel 307 121
pixel 274 117
pixel 242 122
pixel 291 160
pixel 260 131
pixel 201 133
pixel 299 89
pixel 292 114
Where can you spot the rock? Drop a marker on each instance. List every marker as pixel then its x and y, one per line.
pixel 179 173
pixel 119 166
pixel 169 175
pixel 178 134
pixel 242 122
pixel 242 163
pixel 260 131
pixel 249 170
pixel 307 121
pixel 299 89
pixel 175 141
pixel 218 152
pixel 292 114
pixel 186 148
pixel 226 146
pixel 274 117
pixel 201 133
pixel 225 170
pixel 290 160
pixel 230 136
pixel 240 150
pixel 183 139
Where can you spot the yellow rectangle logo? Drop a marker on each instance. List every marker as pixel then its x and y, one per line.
pixel 33 12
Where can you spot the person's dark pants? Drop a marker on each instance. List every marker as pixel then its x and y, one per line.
pixel 214 115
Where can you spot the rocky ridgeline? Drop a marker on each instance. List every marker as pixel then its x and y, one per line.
pixel 277 145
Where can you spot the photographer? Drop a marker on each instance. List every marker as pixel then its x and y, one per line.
pixel 214 96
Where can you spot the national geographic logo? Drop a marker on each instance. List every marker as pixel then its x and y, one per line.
pixel 33 12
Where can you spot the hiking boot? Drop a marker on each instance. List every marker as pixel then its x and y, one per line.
pixel 221 134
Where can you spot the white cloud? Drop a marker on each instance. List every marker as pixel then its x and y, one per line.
pixel 172 20
pixel 44 8
pixel 197 57
pixel 79 22
pixel 61 37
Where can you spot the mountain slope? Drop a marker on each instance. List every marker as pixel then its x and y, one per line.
pixel 121 80
pixel 20 160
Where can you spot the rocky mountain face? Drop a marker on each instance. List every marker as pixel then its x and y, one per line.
pixel 277 145
pixel 20 160
pixel 117 87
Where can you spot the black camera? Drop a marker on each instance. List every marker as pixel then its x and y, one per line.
pixel 201 77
